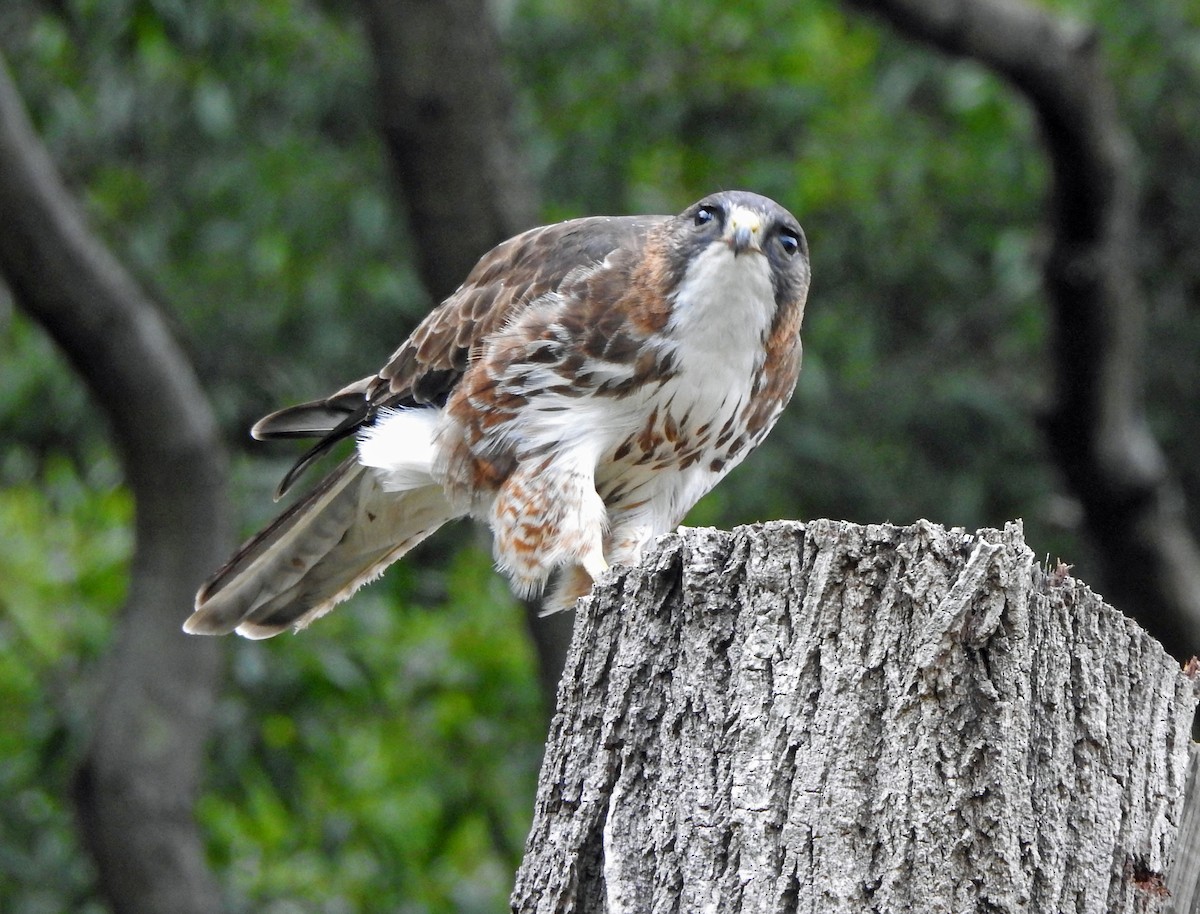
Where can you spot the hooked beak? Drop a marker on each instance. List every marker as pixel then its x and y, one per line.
pixel 744 231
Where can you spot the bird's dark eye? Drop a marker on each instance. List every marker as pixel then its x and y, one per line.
pixel 705 214
pixel 789 241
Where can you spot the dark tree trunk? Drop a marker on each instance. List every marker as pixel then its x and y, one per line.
pixel 446 110
pixel 136 785
pixel 825 717
pixel 1133 506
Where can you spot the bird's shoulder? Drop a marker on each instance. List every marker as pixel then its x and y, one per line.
pixel 588 257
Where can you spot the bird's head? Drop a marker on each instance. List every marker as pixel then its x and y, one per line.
pixel 745 231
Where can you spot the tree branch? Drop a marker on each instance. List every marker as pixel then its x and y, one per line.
pixel 1097 429
pixel 836 718
pixel 135 788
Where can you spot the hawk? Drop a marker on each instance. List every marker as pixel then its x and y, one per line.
pixel 581 390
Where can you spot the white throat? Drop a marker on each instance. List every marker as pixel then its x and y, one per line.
pixel 723 312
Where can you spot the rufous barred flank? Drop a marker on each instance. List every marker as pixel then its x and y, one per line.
pixel 581 390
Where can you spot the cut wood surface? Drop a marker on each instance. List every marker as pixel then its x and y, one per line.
pixel 832 717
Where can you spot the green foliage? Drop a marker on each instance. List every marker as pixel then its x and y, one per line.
pixel 65 544
pixel 227 152
pixel 386 762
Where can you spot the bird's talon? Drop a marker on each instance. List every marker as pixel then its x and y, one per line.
pixel 596 568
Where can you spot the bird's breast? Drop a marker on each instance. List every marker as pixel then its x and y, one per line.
pixel 660 404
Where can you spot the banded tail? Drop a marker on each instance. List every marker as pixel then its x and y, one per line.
pixel 317 553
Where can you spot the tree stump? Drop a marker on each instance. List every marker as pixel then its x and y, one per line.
pixel 830 717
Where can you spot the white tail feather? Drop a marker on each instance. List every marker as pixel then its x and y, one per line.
pixel 400 445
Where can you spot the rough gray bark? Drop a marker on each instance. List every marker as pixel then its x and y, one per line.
pixel 136 785
pixel 829 717
pixel 1184 875
pixel 1133 505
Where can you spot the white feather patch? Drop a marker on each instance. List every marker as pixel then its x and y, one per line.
pixel 723 312
pixel 400 446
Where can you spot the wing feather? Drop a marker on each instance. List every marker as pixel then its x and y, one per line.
pixel 506 280
pixel 317 553
pixel 315 418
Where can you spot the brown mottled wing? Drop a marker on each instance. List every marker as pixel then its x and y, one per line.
pixel 430 363
pixel 521 270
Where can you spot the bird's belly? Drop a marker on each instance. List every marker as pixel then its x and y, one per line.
pixel 668 440
pixel 675 444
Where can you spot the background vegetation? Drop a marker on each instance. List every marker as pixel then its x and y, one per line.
pixel 228 153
